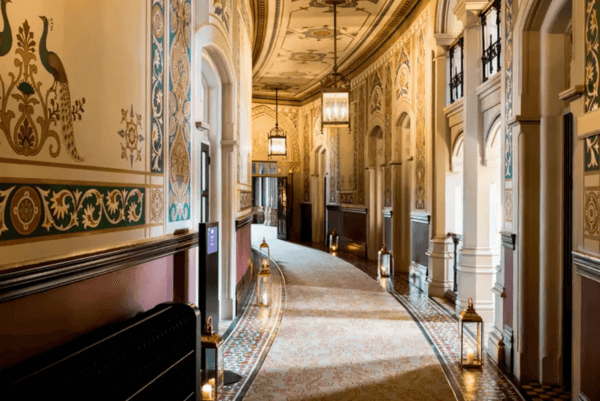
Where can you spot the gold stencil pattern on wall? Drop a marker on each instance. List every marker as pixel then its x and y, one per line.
pixel 592 209
pixel 38 112
pixel 157 205
pixel 132 136
pixel 420 151
pixel 179 111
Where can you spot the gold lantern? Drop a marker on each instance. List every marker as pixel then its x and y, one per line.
pixel 473 358
pixel 335 95
pixel 212 362
pixel 384 262
pixel 334 241
pixel 277 136
pixel 263 287
pixel 265 255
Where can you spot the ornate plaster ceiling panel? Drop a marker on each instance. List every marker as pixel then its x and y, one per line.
pixel 296 51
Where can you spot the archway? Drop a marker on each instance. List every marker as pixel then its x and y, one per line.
pixel 376 185
pixel 543 303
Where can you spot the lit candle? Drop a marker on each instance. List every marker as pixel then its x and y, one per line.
pixel 207 392
pixel 470 356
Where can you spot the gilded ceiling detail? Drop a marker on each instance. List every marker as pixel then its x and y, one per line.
pixel 297 48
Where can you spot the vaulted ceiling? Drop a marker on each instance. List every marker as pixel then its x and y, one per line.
pixel 293 41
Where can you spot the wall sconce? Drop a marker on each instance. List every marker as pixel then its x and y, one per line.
pixel 473 359
pixel 265 255
pixel 263 287
pixel 334 241
pixel 212 362
pixel 384 262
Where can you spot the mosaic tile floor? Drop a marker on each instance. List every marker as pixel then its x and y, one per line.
pixel 249 341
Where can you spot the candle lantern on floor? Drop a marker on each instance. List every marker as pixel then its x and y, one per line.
pixel 384 262
pixel 212 362
pixel 470 358
pixel 334 241
pixel 265 255
pixel 263 287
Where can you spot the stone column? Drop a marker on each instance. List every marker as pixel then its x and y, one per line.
pixel 440 246
pixel 372 227
pixel 228 245
pixel 475 267
pixel 401 247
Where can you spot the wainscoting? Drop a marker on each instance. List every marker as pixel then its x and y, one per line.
pixel 588 271
pixel 509 241
pixel 351 225
pixel 420 234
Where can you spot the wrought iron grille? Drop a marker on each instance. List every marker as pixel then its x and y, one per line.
pixel 490 31
pixel 456 70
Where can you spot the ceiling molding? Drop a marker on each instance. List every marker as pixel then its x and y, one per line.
pixel 407 14
pixel 259 18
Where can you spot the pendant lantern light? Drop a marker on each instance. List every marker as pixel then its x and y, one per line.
pixel 335 100
pixel 277 137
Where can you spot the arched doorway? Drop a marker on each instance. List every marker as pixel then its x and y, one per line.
pixel 542 278
pixel 376 187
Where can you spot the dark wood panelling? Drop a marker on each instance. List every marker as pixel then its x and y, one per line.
pixel 306 223
pixel 37 277
pixel 351 225
pixel 590 346
pixel 508 286
pixel 387 228
pixel 420 239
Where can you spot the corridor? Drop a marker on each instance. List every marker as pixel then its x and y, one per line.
pixel 340 335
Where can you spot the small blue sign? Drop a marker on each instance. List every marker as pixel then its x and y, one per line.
pixel 212 240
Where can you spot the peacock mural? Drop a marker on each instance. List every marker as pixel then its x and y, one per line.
pixel 54 66
pixel 33 120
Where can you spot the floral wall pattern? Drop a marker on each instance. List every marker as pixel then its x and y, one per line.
pixel 420 137
pixel 508 62
pixel 179 110
pixel 35 210
pixel 40 115
pixel 592 57
pixel 157 93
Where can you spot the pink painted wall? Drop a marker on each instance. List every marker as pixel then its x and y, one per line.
pixel 38 322
pixel 243 250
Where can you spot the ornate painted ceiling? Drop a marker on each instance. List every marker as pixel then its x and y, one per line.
pixel 293 41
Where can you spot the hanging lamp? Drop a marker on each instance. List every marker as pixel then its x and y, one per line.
pixel 335 100
pixel 277 137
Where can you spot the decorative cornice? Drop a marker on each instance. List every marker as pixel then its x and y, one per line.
pixel 42 276
pixel 359 210
pixel 571 94
pixel 587 265
pixel 259 18
pixel 388 213
pixel 509 239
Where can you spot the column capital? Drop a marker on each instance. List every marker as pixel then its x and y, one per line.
pixel 444 40
pixel 467 11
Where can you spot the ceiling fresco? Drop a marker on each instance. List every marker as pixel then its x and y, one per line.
pixel 294 44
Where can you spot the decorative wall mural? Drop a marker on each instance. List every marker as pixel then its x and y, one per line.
pixel 334 163
pixel 362 102
pixel 306 158
pixel 592 153
pixel 47 209
pixel 38 112
pixel 420 137
pixel 376 98
pixel 245 200
pixel 132 135
pixel 592 56
pixel 592 208
pixel 222 8
pixel 508 61
pixel 508 205
pixel 179 110
pixel 403 74
pixel 157 207
pixel 157 93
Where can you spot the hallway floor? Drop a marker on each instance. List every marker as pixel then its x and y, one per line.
pixel 333 333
